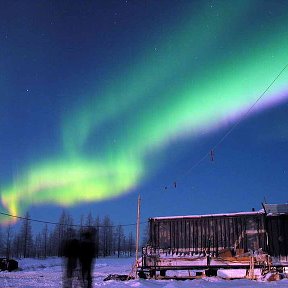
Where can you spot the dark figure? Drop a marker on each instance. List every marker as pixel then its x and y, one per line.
pixel 71 252
pixel 86 257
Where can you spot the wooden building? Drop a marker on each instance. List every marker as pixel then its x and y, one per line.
pixel 217 241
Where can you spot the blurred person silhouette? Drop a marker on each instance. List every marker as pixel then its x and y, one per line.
pixel 86 256
pixel 71 253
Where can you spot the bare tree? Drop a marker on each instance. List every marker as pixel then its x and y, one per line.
pixel 61 230
pixel 41 243
pixel 1 242
pixel 89 220
pixel 107 235
pixel 145 237
pixel 16 246
pixel 119 233
pixel 81 229
pixel 53 245
pixel 109 239
pixel 44 238
pixel 8 242
pixel 131 244
pixel 38 246
pixel 26 236
pixel 97 225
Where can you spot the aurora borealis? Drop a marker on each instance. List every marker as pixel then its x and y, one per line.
pixel 198 72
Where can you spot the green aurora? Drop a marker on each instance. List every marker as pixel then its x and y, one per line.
pixel 170 93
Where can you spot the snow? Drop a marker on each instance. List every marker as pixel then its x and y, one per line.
pixel 48 273
pixel 260 212
pixel 236 273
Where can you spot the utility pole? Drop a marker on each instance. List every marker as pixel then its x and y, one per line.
pixel 137 229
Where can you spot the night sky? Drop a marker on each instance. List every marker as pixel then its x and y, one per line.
pixel 103 100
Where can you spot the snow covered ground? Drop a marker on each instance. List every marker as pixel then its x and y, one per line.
pixel 48 273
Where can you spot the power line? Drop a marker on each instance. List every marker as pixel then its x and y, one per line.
pixel 250 108
pixel 63 224
pixel 217 144
pixel 181 176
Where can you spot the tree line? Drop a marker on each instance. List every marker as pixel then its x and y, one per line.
pixel 109 239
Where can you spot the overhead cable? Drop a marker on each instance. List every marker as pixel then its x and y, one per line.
pixel 63 224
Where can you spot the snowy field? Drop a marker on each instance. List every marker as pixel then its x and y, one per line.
pixel 48 273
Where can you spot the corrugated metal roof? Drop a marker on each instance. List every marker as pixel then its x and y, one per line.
pixel 276 209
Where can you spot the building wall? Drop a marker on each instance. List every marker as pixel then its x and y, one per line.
pixel 209 234
pixel 277 231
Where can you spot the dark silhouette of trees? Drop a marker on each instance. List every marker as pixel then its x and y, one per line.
pixel 119 237
pixel 8 242
pixel 107 236
pixel 26 237
pixel 109 239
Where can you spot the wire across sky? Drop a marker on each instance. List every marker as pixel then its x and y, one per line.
pixel 171 92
